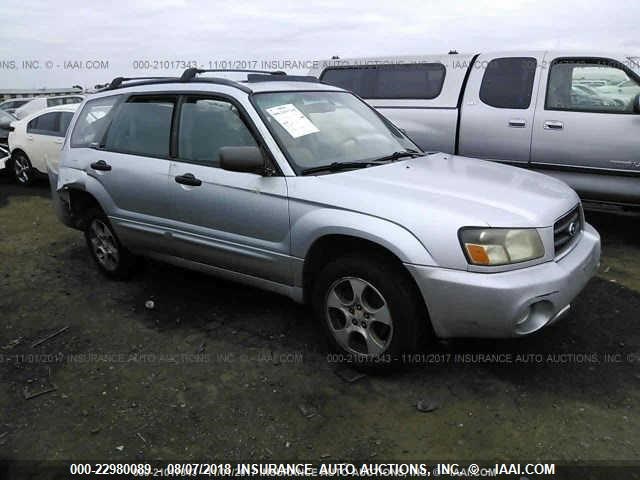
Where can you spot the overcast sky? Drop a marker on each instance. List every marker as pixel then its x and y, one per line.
pixel 53 33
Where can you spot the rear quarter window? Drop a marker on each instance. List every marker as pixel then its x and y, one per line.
pixel 93 121
pixel 393 81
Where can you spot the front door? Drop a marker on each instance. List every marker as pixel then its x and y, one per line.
pixel 231 220
pixel 586 125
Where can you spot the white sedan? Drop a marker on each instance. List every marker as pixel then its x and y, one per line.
pixel 36 140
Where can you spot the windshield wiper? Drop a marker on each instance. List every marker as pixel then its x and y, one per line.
pixel 409 152
pixel 336 166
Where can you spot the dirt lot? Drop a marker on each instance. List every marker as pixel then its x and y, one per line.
pixel 219 371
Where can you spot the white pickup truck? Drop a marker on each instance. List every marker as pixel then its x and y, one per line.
pixel 575 116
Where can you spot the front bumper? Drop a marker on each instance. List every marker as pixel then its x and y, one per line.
pixel 507 304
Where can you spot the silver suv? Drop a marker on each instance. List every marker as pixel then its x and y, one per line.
pixel 301 188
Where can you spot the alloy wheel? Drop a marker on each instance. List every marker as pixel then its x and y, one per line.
pixel 104 245
pixel 358 317
pixel 21 168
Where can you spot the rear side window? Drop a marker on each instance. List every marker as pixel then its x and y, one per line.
pixel 54 102
pixel 93 121
pixel 47 124
pixel 508 82
pixel 207 125
pixel 397 81
pixel 142 126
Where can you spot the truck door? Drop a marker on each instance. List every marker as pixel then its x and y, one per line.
pixel 586 126
pixel 498 108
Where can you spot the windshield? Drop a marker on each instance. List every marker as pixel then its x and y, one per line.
pixel 322 128
pixel 6 117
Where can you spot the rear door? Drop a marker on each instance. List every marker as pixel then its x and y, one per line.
pixel 130 162
pixel 42 138
pixel 599 134
pixel 498 108
pixel 232 220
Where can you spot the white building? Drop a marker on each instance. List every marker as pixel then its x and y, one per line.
pixel 7 93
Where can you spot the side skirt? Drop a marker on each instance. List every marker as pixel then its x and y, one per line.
pixel 294 293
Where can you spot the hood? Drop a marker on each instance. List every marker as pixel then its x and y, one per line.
pixel 445 187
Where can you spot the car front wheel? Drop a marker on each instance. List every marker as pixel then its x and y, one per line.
pixel 369 309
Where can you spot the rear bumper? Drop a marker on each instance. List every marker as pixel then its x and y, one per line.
pixel 4 156
pixel 507 304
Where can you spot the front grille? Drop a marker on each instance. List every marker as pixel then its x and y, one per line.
pixel 567 230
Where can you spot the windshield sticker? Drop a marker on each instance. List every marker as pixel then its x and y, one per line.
pixel 292 120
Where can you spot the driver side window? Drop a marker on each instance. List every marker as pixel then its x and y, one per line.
pixel 595 85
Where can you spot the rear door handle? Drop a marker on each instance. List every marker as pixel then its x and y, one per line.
pixel 188 179
pixel 517 123
pixel 101 165
pixel 553 125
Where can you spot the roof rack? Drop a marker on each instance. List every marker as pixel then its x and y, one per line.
pixel 118 81
pixel 258 77
pixel 190 73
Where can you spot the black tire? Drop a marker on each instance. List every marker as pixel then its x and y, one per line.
pixel 22 168
pixel 111 257
pixel 387 281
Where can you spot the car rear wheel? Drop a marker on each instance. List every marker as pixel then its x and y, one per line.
pixel 369 310
pixel 112 258
pixel 22 169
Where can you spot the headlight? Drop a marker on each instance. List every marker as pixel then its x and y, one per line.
pixel 500 246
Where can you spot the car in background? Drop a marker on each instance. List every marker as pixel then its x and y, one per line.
pixel 37 140
pixel 570 115
pixel 11 105
pixel 5 123
pixel 40 103
pixel 621 92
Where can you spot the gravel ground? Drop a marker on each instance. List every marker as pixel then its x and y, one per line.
pixel 219 371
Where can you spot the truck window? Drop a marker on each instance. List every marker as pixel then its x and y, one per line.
pixel 508 82
pixel 611 88
pixel 394 81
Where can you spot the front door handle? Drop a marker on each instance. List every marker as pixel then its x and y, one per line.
pixel 188 179
pixel 29 137
pixel 59 140
pixel 101 165
pixel 517 123
pixel 553 125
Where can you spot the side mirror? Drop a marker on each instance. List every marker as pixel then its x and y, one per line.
pixel 4 124
pixel 242 159
pixel 636 104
